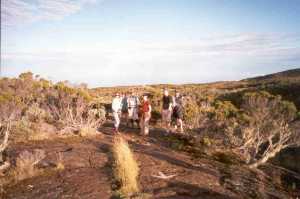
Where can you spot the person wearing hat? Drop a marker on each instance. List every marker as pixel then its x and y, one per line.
pixel 145 110
pixel 116 108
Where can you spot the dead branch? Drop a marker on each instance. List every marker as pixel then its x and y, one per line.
pixel 5 130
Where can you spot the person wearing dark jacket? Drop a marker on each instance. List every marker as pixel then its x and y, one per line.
pixel 178 111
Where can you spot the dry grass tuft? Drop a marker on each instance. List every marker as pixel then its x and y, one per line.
pixel 60 165
pixel 126 169
pixel 87 131
pixel 26 164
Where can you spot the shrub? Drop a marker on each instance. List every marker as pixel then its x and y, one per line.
pixel 206 141
pixel 298 115
pixel 267 131
pixel 224 110
pixel 60 164
pixel 4 133
pixel 87 131
pixel 21 129
pixel 126 169
pixel 35 114
pixel 257 131
pixel 191 114
pixel 26 164
pixel 26 76
pixel 74 113
pixel 10 107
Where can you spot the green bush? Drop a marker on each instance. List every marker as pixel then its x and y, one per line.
pixel 224 110
pixel 298 115
pixel 191 114
pixel 33 103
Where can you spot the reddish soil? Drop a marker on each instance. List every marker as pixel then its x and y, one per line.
pixel 87 172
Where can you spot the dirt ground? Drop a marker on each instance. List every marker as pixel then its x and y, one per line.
pixel 87 172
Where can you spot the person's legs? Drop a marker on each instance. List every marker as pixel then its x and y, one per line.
pixel 163 118
pixel 126 117
pixel 169 115
pixel 180 121
pixel 166 119
pixel 175 119
pixel 116 121
pixel 146 124
pixel 180 124
pixel 136 117
pixel 142 125
pixel 130 116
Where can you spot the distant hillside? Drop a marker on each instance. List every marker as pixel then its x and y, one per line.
pixel 293 74
pixel 285 83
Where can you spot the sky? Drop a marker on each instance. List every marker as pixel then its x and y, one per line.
pixel 128 42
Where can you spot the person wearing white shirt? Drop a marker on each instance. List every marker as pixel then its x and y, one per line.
pixel 116 108
pixel 133 104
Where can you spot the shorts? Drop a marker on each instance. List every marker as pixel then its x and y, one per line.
pixel 166 115
pixel 133 113
pixel 177 113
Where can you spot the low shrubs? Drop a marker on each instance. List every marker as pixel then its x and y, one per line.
pixel 191 114
pixel 33 103
pixel 60 162
pixel 35 114
pixel 257 131
pixel 267 132
pixel 26 164
pixel 4 133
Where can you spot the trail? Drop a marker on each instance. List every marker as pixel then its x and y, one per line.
pixel 87 172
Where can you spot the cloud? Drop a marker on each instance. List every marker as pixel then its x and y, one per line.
pixel 224 57
pixel 17 12
pixel 266 46
pixel 246 44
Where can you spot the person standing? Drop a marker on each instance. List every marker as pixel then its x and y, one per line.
pixel 125 108
pixel 145 115
pixel 116 108
pixel 178 111
pixel 167 101
pixel 133 104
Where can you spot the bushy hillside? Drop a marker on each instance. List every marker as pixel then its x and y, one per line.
pixel 35 107
pixel 233 127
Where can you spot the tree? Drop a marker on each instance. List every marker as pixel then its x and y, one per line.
pixel 267 130
pixel 26 76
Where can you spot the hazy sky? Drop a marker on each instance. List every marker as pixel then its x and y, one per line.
pixel 120 42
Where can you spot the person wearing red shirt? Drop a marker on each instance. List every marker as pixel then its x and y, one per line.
pixel 145 115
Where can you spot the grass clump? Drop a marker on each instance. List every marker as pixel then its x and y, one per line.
pixel 26 164
pixel 60 164
pixel 125 169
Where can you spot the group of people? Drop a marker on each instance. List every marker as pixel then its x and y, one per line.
pixel 136 111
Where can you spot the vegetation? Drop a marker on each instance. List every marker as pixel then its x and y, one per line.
pixel 126 169
pixel 35 106
pixel 4 163
pixel 26 164
pixel 235 123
